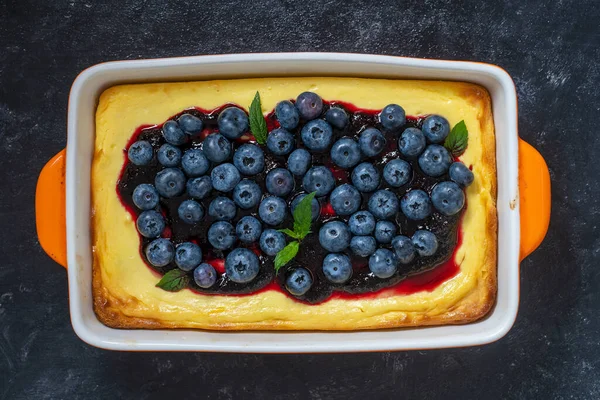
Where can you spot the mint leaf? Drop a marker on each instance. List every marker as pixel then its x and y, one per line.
pixel 286 255
pixel 303 216
pixel 290 233
pixel 458 139
pixel 174 280
pixel 258 125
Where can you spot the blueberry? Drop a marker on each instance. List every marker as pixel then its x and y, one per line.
pixel 216 147
pixel 140 153
pixel 248 229
pixel 168 155
pixel 425 242
pixel 362 223
pixel 383 204
pixel 247 194
pixel 188 256
pixel 397 172
pixel 173 133
pixel 317 135
pixel 249 159
pixel 190 212
pixel 194 163
pixel 224 177
pixel 145 196
pixel 371 142
pixel 280 142
pixel 436 128
pixel 392 117
pixel 416 205
pixel 160 252
pixel 385 231
pixel 272 210
pixel 205 275
pixel 412 142
pixel 403 249
pixel 222 209
pixel 199 187
pixel 345 153
pixel 170 182
pixel 318 179
pixel 365 177
pixel 448 198
pixel 460 174
pixel 271 242
pixel 309 105
pixel 233 122
pixel 241 265
pixel 435 160
pixel 190 124
pixel 315 207
pixel 345 199
pixel 383 263
pixel 299 282
pixel 287 114
pixel 299 161
pixel 280 182
pixel 337 268
pixel 363 246
pixel 336 117
pixel 221 235
pixel 150 224
pixel 334 236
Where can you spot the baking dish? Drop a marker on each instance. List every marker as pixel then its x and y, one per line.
pixel 63 194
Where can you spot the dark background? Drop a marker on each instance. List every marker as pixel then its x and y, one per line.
pixel 552 51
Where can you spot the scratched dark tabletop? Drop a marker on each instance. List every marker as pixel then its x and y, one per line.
pixel 552 51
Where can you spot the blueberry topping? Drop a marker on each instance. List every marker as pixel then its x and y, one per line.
pixel 425 243
pixel 216 147
pixel 383 263
pixel 194 163
pixel 309 105
pixel 233 122
pixel 221 235
pixel 412 142
pixel 272 242
pixel 188 256
pixel 299 161
pixel 160 252
pixel 362 223
pixel 448 198
pixel 199 187
pixel 287 114
pixel 224 177
pixel 317 135
pixel 298 282
pixel 403 249
pixel 280 142
pixel 145 197
pixel 383 204
pixel 140 153
pixel 365 177
pixel 279 182
pixel 272 210
pixel 318 179
pixel 315 207
pixel 345 199
pixel 170 182
pixel 436 128
pixel 190 124
pixel 363 246
pixel 222 209
pixel 371 142
pixel 397 173
pixel 168 155
pixel 173 133
pixel 248 229
pixel 334 236
pixel 416 205
pixel 247 194
pixel 205 275
pixel 435 160
pixel 385 231
pixel 249 159
pixel 190 212
pixel 336 117
pixel 337 268
pixel 392 117
pixel 345 153
pixel 150 224
pixel 460 174
pixel 241 265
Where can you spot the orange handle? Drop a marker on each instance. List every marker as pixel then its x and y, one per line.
pixel 534 189
pixel 50 211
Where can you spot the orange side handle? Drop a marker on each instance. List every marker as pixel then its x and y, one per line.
pixel 534 192
pixel 50 210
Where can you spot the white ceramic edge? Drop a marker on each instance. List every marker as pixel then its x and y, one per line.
pixel 83 99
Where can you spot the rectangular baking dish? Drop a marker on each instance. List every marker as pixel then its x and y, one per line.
pixel 523 201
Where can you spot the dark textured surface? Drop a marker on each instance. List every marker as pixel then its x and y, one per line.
pixel 552 50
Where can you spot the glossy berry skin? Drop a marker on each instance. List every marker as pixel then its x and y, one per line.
pixel 145 197
pixel 287 114
pixel 425 243
pixel 392 117
pixel 221 235
pixel 315 207
pixel 362 223
pixel 435 160
pixel 279 182
pixel 345 153
pixel 299 161
pixel 309 105
pixel 383 263
pixel 188 256
pixel 385 231
pixel 337 268
pixel 411 143
pixel 248 229
pixel 216 148
pixel 436 128
pixel 317 135
pixel 363 246
pixel 416 205
pixel 403 249
pixel 280 142
pixel 318 179
pixel 272 210
pixel 224 177
pixel 371 142
pixel 365 177
pixel 170 182
pixel 460 174
pixel 271 242
pixel 397 173
pixel 150 224
pixel 194 163
pixel 233 122
pixel 334 236
pixel 168 155
pixel 190 212
pixel 448 198
pixel 299 282
pixel 383 204
pixel 205 275
pixel 160 252
pixel 190 124
pixel 249 159
pixel 336 117
pixel 345 199
pixel 247 194
pixel 173 133
pixel 241 265
pixel 222 209
pixel 140 153
pixel 199 187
